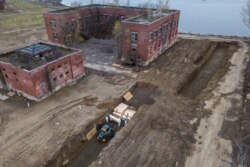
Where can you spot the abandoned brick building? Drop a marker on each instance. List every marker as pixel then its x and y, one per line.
pixel 143 36
pixel 38 70
pixel 2 3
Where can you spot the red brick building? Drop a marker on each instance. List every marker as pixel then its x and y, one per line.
pixel 2 3
pixel 143 37
pixel 38 70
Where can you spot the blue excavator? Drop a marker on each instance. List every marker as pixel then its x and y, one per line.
pixel 105 133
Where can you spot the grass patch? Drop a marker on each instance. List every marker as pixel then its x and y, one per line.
pixel 20 14
pixel 24 5
pixel 20 21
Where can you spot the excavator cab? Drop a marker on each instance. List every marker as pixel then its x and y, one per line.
pixel 105 133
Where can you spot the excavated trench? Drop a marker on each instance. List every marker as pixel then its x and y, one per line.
pixel 208 73
pixel 80 153
pixel 209 70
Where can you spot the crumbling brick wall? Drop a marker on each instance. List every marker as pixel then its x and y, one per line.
pixel 93 21
pixel 42 81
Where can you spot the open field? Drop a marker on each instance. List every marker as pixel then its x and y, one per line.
pixel 20 14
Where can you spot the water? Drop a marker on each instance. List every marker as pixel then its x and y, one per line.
pixel 218 17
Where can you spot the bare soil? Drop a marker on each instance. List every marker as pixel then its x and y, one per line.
pixel 182 129
pixel 16 39
pixel 187 100
pixel 34 136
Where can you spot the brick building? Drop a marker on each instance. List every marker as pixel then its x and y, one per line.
pixel 143 36
pixel 38 70
pixel 2 3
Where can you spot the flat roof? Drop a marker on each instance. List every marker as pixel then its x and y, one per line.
pixel 28 57
pixel 69 9
pixel 147 19
pixel 34 50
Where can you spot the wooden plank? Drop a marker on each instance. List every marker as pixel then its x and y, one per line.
pixel 128 96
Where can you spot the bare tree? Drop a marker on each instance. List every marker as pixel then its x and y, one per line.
pixel 246 14
pixel 69 30
pixel 149 7
pixel 116 2
pixel 163 6
pixel 76 4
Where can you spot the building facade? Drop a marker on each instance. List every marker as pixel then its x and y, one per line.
pixel 38 70
pixel 143 36
pixel 2 3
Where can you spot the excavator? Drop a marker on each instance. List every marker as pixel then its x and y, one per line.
pixel 105 133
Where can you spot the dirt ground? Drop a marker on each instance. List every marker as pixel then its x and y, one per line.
pixel 187 121
pixel 32 136
pixel 201 80
pixel 18 38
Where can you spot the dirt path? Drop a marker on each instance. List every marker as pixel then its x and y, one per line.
pixel 21 30
pixel 210 149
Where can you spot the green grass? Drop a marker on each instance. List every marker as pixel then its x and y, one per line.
pixel 20 14
pixel 24 5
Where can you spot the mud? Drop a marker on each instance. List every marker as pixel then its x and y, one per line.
pixel 143 94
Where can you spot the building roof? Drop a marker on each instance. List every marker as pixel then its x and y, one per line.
pixel 147 19
pixel 35 49
pixel 29 57
pixel 70 9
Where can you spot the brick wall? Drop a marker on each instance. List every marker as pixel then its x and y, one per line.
pixel 96 21
pixel 153 38
pixel 42 81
